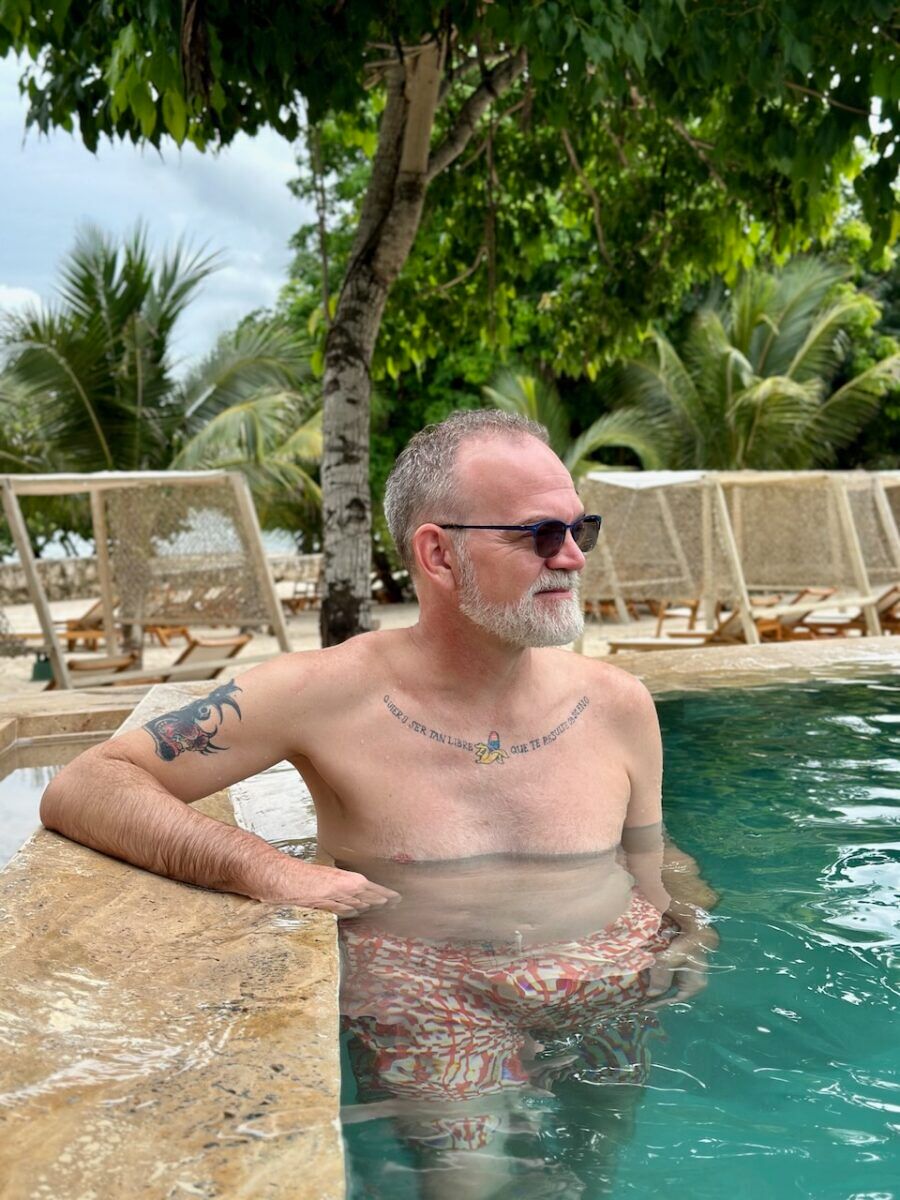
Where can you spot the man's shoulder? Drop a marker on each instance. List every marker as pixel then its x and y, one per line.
pixel 615 691
pixel 354 665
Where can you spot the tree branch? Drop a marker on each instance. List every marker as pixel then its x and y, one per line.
pixel 798 87
pixel 699 150
pixel 479 150
pixel 501 79
pixel 461 70
pixel 592 196
pixel 445 287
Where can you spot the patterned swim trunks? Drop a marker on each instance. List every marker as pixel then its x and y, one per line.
pixel 439 1022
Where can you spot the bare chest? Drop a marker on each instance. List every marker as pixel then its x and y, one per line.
pixel 413 786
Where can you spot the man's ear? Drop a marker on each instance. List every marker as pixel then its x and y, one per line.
pixel 433 555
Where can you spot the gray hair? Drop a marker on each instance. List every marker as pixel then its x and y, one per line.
pixel 422 485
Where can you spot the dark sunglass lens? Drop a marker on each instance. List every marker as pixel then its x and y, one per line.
pixel 548 538
pixel 585 534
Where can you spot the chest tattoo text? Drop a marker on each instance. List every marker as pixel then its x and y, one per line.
pixel 490 750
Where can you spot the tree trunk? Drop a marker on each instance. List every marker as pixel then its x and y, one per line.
pixel 389 221
pixel 388 225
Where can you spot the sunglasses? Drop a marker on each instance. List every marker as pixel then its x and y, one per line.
pixel 549 535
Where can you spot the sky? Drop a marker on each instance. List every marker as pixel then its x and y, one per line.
pixel 236 202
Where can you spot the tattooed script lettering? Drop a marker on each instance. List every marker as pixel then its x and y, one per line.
pixel 183 729
pixel 490 750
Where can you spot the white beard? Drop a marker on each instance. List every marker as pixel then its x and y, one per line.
pixel 528 622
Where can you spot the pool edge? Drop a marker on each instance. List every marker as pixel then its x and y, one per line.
pixel 260 1118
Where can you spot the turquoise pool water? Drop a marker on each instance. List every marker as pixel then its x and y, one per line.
pixel 24 774
pixel 782 1078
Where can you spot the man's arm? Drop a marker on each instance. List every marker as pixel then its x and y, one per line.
pixel 127 797
pixel 664 874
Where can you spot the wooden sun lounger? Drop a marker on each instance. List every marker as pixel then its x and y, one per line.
pixel 887 605
pixel 209 657
pixel 84 671
pixel 781 622
pixel 202 658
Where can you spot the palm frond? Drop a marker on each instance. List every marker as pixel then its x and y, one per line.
pixel 625 427
pixel 64 368
pixel 824 346
pixel 718 368
pixel 526 394
pixel 800 290
pixel 245 431
pixel 770 419
pixel 747 315
pixel 839 420
pixel 255 358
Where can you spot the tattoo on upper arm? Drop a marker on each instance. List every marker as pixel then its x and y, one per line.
pixel 183 729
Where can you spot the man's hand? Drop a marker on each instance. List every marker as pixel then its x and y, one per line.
pixel 682 965
pixel 346 893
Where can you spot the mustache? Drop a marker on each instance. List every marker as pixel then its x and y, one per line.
pixel 556 579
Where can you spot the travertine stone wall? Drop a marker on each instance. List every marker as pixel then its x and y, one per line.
pixel 73 578
pixel 63 579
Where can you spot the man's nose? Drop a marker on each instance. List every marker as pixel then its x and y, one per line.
pixel 569 557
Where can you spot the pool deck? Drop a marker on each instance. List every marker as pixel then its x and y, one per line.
pixel 165 1040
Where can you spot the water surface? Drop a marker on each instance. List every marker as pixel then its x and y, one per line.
pixel 782 1078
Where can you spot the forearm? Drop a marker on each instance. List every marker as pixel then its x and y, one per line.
pixel 114 807
pixel 691 897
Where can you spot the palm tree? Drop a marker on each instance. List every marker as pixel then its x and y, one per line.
pixel 752 385
pixel 525 394
pixel 250 405
pixel 91 380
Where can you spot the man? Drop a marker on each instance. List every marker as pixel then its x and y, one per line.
pixel 478 791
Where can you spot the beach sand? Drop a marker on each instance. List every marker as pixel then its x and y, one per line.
pixel 303 631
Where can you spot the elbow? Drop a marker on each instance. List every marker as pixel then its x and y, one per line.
pixel 68 790
pixel 53 802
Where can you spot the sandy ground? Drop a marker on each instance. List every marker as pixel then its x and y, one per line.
pixel 303 630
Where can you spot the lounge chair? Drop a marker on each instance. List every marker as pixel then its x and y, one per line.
pixel 87 628
pixel 669 610
pixel 163 634
pixel 728 631
pixel 84 671
pixel 786 625
pixel 203 654
pixel 305 591
pixel 887 605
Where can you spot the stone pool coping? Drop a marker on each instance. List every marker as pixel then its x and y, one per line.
pixel 159 1039
pixel 170 1040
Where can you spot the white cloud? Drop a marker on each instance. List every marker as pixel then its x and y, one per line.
pixel 235 201
pixel 17 297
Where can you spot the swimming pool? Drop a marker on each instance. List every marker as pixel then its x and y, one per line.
pixel 25 772
pixel 782 1078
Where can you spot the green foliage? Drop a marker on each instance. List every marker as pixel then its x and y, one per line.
pixel 756 381
pixel 784 89
pixel 97 366
pixel 89 385
pixel 698 138
pixel 250 406
pixel 530 397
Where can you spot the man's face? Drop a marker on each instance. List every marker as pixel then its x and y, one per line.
pixel 504 587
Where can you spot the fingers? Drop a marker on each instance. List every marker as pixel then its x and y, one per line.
pixel 374 894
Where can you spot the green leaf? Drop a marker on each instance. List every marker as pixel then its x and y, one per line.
pixel 143 107
pixel 175 115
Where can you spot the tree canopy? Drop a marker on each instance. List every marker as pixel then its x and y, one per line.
pixel 767 103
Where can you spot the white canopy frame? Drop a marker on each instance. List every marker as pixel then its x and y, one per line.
pixel 13 487
pixel 718 550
